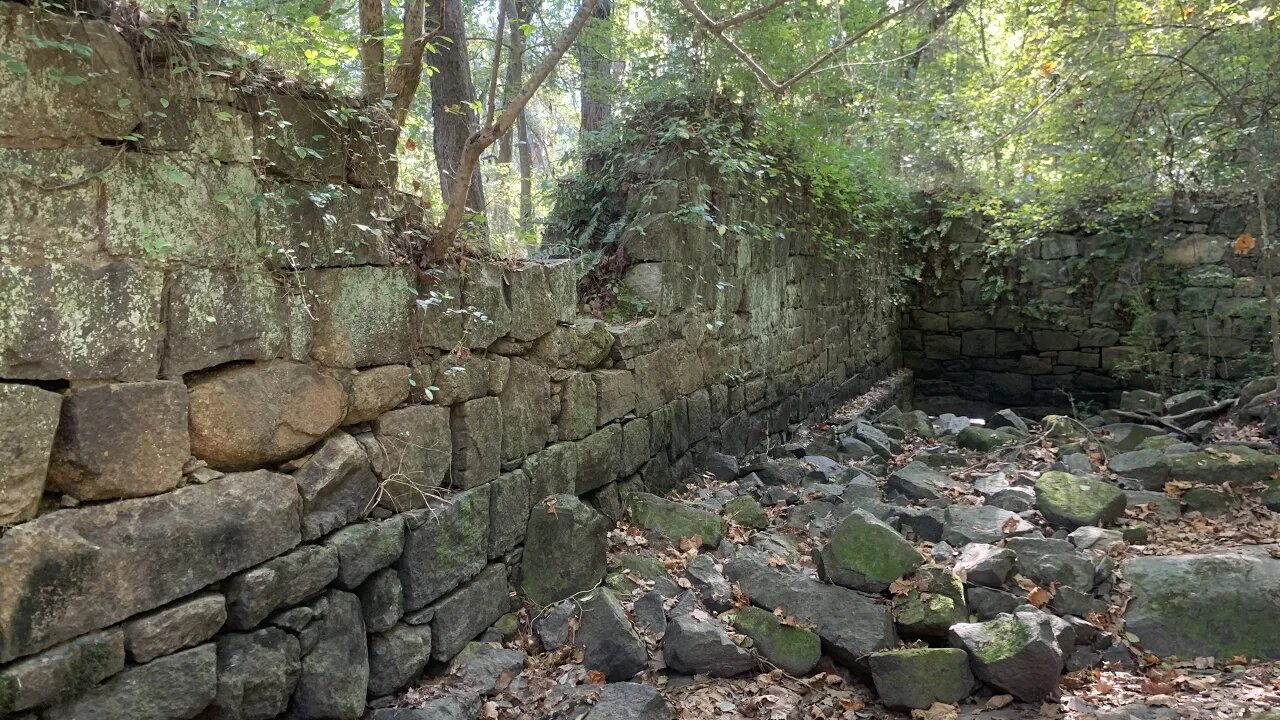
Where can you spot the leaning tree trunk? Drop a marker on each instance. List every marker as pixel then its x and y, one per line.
pixel 597 80
pixel 453 93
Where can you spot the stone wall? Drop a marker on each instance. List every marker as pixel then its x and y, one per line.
pixel 250 466
pixel 1166 301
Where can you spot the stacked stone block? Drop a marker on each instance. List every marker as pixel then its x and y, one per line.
pixel 250 467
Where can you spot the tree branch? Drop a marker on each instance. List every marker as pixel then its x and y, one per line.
pixel 497 60
pixel 742 17
pixel 373 76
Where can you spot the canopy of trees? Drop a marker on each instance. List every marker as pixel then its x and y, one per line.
pixel 1035 105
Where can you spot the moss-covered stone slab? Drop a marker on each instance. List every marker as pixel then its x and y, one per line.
pixel 794 649
pixel 148 691
pixel 866 554
pixel 919 677
pixel 39 226
pixel 564 550
pixel 746 511
pixel 1234 464
pixel 363 315
pixel 137 555
pixel 673 520
pixel 51 93
pixel 1017 653
pixel 1220 604
pixel 28 421
pixel 70 321
pixel 1073 501
pixel 62 673
pixel 444 545
pixel 930 611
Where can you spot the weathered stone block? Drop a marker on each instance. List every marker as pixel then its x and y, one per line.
pixel 444 545
pixel 533 306
pixel 488 317
pixel 54 95
pixel 63 673
pixel 216 316
pixel 553 471
pixel 508 512
pixel 28 422
pixel 257 673
pixel 577 418
pixel 322 226
pixel 459 379
pixel 477 441
pixel 366 547
pixel 526 411
pixel 371 149
pixel 468 611
pixel 410 449
pixel 39 226
pixel 584 345
pixel 381 601
pixel 76 322
pixel 373 391
pixel 337 486
pixel 279 582
pixel 255 415
pixel 175 686
pixel 181 625
pixel 159 209
pixel 440 316
pixel 205 129
pixel 616 394
pixel 121 440
pixel 397 657
pixel 635 446
pixel 335 670
pixel 364 315
pixel 108 562
pixel 564 549
pixel 599 458
pixel 299 137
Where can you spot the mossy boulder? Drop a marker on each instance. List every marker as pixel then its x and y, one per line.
pixel 1208 501
pixel 932 608
pixel 1233 464
pixel 564 550
pixel 746 511
pixel 1017 653
pixel 983 439
pixel 866 554
pixel 673 520
pixel 920 677
pixel 630 572
pixel 1060 426
pixel 1218 605
pixel 794 649
pixel 1073 501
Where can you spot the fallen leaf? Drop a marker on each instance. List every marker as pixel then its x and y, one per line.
pixel 1245 243
pixel 1039 597
pixel 937 711
pixel 998 701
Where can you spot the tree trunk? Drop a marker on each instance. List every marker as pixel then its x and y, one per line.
pixel 406 75
pixel 453 95
pixel 596 60
pixel 373 75
pixel 526 170
pixel 520 14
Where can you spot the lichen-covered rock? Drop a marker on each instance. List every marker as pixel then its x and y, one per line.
pixel 28 422
pixel 337 486
pixel 696 647
pixel 564 551
pixel 1221 604
pixel 532 303
pixel 62 673
pixel 181 625
pixel 746 511
pixel 363 315
pixel 1150 467
pixel 486 667
pixel 373 391
pixel 611 643
pixel 466 612
pixel 444 545
pixel 335 670
pixel 147 692
pixel 674 520
pixel 933 606
pixel 526 409
pixel 218 316
pixel 71 321
pixel 477 441
pixel 584 345
pixel 866 554
pixel 381 600
pixel 1073 501
pixel 919 677
pixel 1233 464
pixel 599 456
pixel 137 555
pixel 249 416
pixel 982 439
pixel 508 512
pixel 794 649
pixel 1017 653
pixel 577 417
pixel 257 673
pixel 397 657
pixel 462 377
pixel 982 564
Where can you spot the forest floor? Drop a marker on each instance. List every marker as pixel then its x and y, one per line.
pixel 557 682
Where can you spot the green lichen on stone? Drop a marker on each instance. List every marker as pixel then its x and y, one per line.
pixel 1234 464
pixel 984 440
pixel 746 511
pixel 794 649
pixel 870 549
pixel 1074 501
pixel 919 677
pixel 1159 442
pixel 8 692
pixel 1009 635
pixel 1059 426
pixel 674 520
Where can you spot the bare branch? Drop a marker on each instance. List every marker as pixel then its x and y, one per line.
pixel 742 17
pixel 762 75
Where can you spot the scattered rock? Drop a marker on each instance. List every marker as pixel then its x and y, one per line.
pixel 1051 561
pixel 709 583
pixel 1017 653
pixel 486 668
pixel 612 646
pixel 917 481
pixel 866 554
pixel 696 647
pixel 920 677
pixel 933 606
pixel 964 524
pixel 794 649
pixel 1149 467
pixel 630 701
pixel 674 520
pixel 1073 501
pixel 747 512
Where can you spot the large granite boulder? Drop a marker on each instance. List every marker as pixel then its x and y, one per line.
pixel 1221 604
pixel 112 561
pixel 245 417
pixel 564 550
pixel 28 421
pixel 866 554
